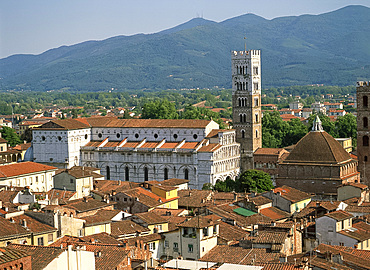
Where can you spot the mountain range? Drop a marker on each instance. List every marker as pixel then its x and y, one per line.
pixel 331 49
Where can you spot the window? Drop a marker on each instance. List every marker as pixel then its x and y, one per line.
pixel 190 248
pixel 152 246
pixel 85 136
pixel 255 70
pixel 166 244
pixel 59 138
pixel 156 135
pixel 255 102
pixel 43 138
pixel 71 180
pixel 175 136
pixel 186 173
pixel 256 118
pixel 195 136
pixel 40 241
pixel 50 238
pixel 365 158
pixel 342 224
pixel 365 140
pixel 136 135
pixel 37 179
pixel 243 134
pixel 118 135
pixel 165 173
pixel 256 133
pixel 80 232
pixel 127 174
pixel 108 172
pixel 100 135
pixel 175 247
pixel 146 174
pixel 365 101
pixel 365 122
pixel 341 244
pixel 205 231
pixel 255 86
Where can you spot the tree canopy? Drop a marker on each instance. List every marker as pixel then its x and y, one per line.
pixel 10 135
pixel 159 109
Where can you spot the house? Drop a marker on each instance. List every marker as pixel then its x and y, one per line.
pixel 125 229
pixel 296 105
pixel 306 112
pixel 288 199
pixel 77 178
pixel 346 143
pixel 195 200
pixel 194 239
pixel 50 258
pixel 38 177
pixel 267 160
pixel 353 190
pixel 15 259
pixel 3 144
pixel 152 221
pixel 318 107
pixel 173 182
pixel 13 232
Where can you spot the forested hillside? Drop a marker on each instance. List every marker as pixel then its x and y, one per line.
pixel 329 49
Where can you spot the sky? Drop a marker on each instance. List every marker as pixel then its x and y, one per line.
pixel 34 26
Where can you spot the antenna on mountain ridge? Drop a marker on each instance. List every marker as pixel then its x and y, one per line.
pixel 245 44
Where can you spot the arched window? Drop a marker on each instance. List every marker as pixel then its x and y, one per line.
pixel 365 158
pixel 365 121
pixel 243 134
pixel 256 133
pixel 240 102
pixel 244 118
pixel 256 116
pixel 186 174
pixel 241 118
pixel 108 172
pixel 165 173
pixel 127 174
pixel 240 70
pixel 365 140
pixel 146 174
pixel 365 101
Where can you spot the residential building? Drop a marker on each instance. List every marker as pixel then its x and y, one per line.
pixel 353 190
pixel 246 98
pixel 318 107
pixel 13 232
pixel 288 199
pixel 346 143
pixel 267 160
pixel 38 177
pixel 77 178
pixel 15 259
pixel 336 106
pixel 296 105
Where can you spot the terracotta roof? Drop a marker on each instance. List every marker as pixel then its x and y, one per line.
pixel 274 213
pixel 125 227
pixel 61 195
pixel 168 213
pixel 358 185
pixel 210 147
pixel 318 147
pixel 8 195
pixel 173 182
pixel 149 123
pixel 145 238
pixel 214 132
pixel 9 254
pixel 359 231
pixel 2 140
pixel 292 194
pixel 80 172
pixel 32 225
pixel 82 205
pixel 199 222
pixel 339 215
pixel 269 151
pixel 322 263
pixel 280 266
pixel 66 124
pixel 231 233
pixel 23 168
pixel 106 186
pixel 9 228
pixel 313 205
pixel 260 200
pixel 101 238
pixel 351 256
pixel 194 198
pixel 269 237
pixel 110 256
pixel 353 208
pixel 151 218
pixel 22 147
pixel 238 255
pixel 146 197
pixel 102 216
pixel 41 256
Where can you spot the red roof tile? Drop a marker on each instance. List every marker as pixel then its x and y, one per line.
pixel 23 168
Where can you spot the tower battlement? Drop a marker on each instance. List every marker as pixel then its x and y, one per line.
pixel 237 54
pixel 363 85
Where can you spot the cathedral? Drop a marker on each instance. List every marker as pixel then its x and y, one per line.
pixel 318 164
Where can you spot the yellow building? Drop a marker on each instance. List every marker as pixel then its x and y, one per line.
pixel 346 143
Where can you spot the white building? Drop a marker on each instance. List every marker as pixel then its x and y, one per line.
pixel 38 177
pixel 141 149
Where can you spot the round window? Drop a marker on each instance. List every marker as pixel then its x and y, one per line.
pixel 175 136
pixel 195 136
pixel 156 135
pixel 85 136
pixel 43 138
pixel 118 135
pixel 100 135
pixel 136 135
pixel 59 138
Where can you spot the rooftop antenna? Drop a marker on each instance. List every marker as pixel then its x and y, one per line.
pixel 245 44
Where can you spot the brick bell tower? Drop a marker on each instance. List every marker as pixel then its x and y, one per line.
pixel 363 130
pixel 246 85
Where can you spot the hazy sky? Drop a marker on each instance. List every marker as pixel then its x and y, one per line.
pixel 34 26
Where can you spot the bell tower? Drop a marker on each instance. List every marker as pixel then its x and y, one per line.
pixel 246 97
pixel 363 130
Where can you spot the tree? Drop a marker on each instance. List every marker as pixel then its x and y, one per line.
pixel 10 135
pixel 159 109
pixel 253 180
pixel 347 127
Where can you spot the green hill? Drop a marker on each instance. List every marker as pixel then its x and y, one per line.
pixel 331 49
